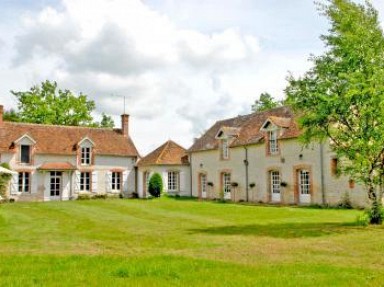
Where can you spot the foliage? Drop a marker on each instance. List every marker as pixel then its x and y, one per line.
pixel 4 180
pixel 341 98
pixel 155 186
pixel 46 104
pixel 362 219
pixel 345 202
pixel 106 121
pixel 84 196
pixel 265 102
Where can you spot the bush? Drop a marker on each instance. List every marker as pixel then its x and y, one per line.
pixel 84 196
pixel 100 196
pixel 345 202
pixel 155 186
pixel 376 213
pixel 4 180
pixel 362 219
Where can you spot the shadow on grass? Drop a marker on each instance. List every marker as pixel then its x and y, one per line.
pixel 282 230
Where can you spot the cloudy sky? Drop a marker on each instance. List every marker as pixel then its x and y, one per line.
pixel 181 64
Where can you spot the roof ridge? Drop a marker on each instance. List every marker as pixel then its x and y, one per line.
pixel 59 126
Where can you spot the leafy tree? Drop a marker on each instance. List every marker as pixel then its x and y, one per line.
pixel 11 116
pixel 107 121
pixel 46 104
pixel 265 102
pixel 155 186
pixel 341 98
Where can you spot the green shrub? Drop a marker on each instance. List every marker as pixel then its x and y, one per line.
pixel 155 186
pixel 84 196
pixel 376 213
pixel 362 219
pixel 4 180
pixel 345 202
pixel 100 196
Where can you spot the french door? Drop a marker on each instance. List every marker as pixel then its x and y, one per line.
pixel 55 184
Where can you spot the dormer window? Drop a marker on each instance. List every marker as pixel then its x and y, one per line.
pixel 273 145
pixel 25 154
pixel 224 149
pixel 85 155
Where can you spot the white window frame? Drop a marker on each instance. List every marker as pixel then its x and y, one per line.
pixel 226 182
pixel 146 179
pixel 173 180
pixel 116 181
pixel 84 185
pixel 304 182
pixel 275 182
pixel 224 149
pixel 273 144
pixel 86 155
pixel 203 183
pixel 24 182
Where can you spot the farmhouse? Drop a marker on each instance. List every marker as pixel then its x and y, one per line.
pixel 258 158
pixel 170 160
pixel 61 162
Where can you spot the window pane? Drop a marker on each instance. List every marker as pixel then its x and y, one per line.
pixel 25 154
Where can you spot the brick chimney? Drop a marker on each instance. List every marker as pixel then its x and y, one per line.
pixel 1 114
pixel 125 125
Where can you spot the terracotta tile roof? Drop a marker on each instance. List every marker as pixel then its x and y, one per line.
pixel 249 129
pixel 57 166
pixel 170 153
pixel 51 139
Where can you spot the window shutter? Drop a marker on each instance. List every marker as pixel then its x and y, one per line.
pixel 108 181
pixel 14 184
pixel 94 182
pixel 182 181
pixel 125 181
pixel 165 181
pixel 77 181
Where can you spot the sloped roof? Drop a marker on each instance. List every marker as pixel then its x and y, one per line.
pixel 249 129
pixel 60 166
pixel 52 139
pixel 169 153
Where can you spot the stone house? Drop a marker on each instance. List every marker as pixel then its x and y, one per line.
pixel 60 162
pixel 258 158
pixel 170 160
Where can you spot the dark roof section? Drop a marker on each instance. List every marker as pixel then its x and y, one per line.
pixel 52 139
pixel 249 129
pixel 169 153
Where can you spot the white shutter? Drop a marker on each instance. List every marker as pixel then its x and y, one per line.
pixel 94 182
pixel 77 181
pixel 14 184
pixel 125 181
pixel 165 181
pixel 182 182
pixel 108 181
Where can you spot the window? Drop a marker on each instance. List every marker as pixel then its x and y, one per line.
pixel 173 181
pixel 24 182
pixel 224 149
pixel 273 146
pixel 55 184
pixel 25 154
pixel 226 183
pixel 85 155
pixel 116 180
pixel 275 182
pixel 85 181
pixel 304 182
pixel 203 183
pixel 334 166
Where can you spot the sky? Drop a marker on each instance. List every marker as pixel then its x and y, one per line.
pixel 180 64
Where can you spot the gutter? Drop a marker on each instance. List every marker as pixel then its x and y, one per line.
pixel 190 173
pixel 246 163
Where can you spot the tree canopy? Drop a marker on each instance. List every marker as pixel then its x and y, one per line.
pixel 341 98
pixel 265 102
pixel 46 104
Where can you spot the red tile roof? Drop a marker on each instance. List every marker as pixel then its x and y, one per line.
pixel 57 166
pixel 51 139
pixel 249 129
pixel 170 153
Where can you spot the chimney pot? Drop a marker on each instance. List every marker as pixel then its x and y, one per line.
pixel 125 125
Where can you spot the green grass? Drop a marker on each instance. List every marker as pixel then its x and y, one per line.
pixel 169 242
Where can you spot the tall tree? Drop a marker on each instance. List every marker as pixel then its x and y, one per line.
pixel 46 104
pixel 342 97
pixel 265 102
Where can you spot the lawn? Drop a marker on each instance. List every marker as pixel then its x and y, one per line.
pixel 170 242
